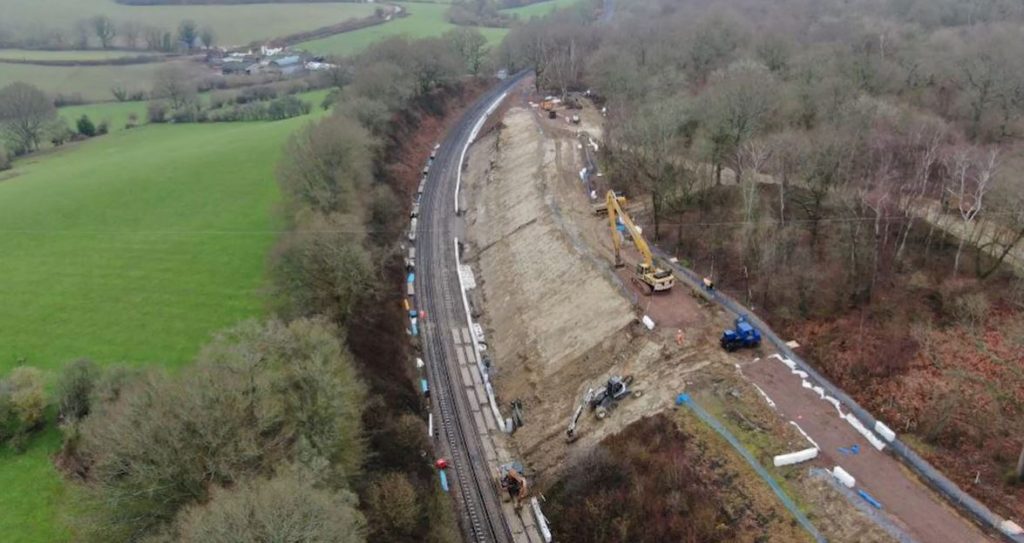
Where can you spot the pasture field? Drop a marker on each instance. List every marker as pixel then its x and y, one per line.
pixel 93 83
pixel 232 24
pixel 133 247
pixel 70 55
pixel 540 9
pixel 423 20
pixel 114 113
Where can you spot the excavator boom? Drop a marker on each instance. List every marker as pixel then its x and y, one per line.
pixel 655 278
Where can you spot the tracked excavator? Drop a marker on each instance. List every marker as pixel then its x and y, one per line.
pixel 654 278
pixel 511 480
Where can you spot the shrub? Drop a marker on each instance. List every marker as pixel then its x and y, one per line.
pixel 287 107
pixel 133 121
pixel 971 309
pixel 392 507
pixel 5 159
pixel 156 112
pixel 75 388
pixel 59 132
pixel 287 507
pixel 22 405
pixel 85 126
pixel 258 396
pixel 102 128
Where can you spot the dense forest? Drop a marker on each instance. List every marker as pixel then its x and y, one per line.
pixel 848 169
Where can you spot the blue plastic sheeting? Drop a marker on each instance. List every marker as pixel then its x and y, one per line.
pixel 707 418
pixel 423 386
pixel 415 330
pixel 444 480
pixel 936 480
pixel 411 278
pixel 869 498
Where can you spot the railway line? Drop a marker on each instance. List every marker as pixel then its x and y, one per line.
pixel 437 288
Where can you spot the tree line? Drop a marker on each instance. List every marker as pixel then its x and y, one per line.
pixel 103 32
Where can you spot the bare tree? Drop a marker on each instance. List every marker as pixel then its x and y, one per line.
pixel 173 84
pixel 207 36
pixel 740 100
pixel 471 45
pixel 131 32
pixel 970 180
pixel 25 112
pixel 104 29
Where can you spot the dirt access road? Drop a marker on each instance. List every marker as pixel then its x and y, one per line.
pixel 560 320
pixel 914 507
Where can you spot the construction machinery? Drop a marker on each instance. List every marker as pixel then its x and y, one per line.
pixel 742 335
pixel 656 279
pixel 602 401
pixel 601 207
pixel 512 481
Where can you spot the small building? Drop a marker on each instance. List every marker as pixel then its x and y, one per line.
pixel 288 65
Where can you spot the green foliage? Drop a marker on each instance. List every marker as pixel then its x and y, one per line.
pixel 326 165
pixel 85 126
pixel 259 395
pixel 5 159
pixel 75 388
pixel 287 507
pixel 22 405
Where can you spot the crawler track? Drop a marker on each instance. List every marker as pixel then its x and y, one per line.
pixel 483 519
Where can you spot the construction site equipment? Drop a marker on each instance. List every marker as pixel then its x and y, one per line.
pixel 616 389
pixel 742 335
pixel 512 481
pixel 656 279
pixel 601 207
pixel 570 433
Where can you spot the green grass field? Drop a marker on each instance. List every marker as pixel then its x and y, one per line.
pixel 232 24
pixel 540 9
pixel 424 20
pixel 115 114
pixel 133 247
pixel 34 55
pixel 93 83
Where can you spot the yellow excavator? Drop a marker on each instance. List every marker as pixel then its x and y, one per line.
pixel 656 279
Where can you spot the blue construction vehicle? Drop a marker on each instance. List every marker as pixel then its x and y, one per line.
pixel 742 336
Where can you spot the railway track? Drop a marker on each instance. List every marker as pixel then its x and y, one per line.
pixel 437 288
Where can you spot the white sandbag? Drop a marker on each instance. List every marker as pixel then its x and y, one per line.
pixel 843 477
pixel 884 431
pixel 648 322
pixel 795 457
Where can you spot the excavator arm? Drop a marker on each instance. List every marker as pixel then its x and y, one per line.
pixel 656 279
pixel 615 211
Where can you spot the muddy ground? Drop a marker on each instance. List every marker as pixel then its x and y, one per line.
pixel 559 319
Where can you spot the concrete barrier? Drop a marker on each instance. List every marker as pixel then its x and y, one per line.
pixel 542 521
pixel 844 477
pixel 868 434
pixel 789 459
pixel 884 431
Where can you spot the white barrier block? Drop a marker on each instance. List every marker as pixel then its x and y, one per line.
pixel 806 384
pixel 1010 527
pixel 648 322
pixel 868 434
pixel 800 374
pixel 843 477
pixel 795 457
pixel 820 391
pixel 884 431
